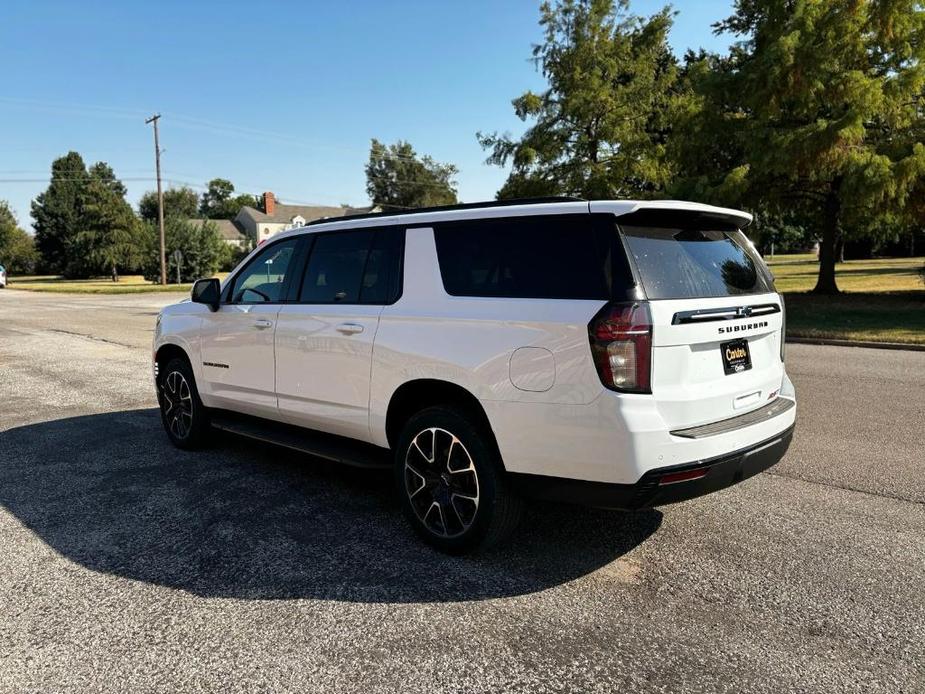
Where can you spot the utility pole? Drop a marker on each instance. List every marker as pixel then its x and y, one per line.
pixel 160 196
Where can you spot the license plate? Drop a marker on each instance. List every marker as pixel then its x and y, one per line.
pixel 736 356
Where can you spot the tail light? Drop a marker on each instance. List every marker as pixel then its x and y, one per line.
pixel 621 343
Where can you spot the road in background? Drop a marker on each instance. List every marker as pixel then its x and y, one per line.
pixel 131 565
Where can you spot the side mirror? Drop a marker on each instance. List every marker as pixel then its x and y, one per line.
pixel 207 291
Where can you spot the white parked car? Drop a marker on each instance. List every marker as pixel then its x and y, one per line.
pixel 618 354
pixel 2 277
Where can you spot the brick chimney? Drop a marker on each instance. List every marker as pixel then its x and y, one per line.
pixel 269 203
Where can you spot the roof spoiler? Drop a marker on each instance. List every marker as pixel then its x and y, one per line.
pixel 674 213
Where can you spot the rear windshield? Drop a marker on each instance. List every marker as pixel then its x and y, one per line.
pixel 575 256
pixel 695 263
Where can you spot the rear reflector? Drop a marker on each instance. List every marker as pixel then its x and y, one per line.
pixel 674 477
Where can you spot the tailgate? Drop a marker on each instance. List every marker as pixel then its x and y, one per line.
pixel 693 379
pixel 716 317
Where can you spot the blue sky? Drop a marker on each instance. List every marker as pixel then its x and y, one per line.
pixel 280 96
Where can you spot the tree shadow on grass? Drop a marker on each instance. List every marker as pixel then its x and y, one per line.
pixel 252 521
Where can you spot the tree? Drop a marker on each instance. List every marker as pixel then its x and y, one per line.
pixel 220 202
pixel 822 100
pixel 600 128
pixel 17 248
pixel 103 174
pixel 109 235
pixel 183 202
pixel 83 225
pixel 200 244
pixel 56 211
pixel 398 179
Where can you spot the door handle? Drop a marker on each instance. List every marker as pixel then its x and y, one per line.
pixel 349 328
pixel 263 324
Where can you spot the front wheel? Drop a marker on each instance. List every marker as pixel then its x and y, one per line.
pixel 451 482
pixel 183 415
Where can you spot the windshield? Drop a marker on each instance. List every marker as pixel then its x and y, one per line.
pixel 678 263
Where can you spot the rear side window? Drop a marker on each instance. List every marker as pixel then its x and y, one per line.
pixel 353 267
pixel 686 263
pixel 550 257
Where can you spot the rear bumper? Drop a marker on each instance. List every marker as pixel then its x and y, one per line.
pixel 655 487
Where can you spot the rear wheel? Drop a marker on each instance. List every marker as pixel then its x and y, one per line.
pixel 185 419
pixel 451 482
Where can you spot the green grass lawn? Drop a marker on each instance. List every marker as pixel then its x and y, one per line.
pixel 797 273
pixel 883 300
pixel 882 317
pixel 128 284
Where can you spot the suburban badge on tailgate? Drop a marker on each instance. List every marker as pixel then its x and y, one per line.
pixel 739 328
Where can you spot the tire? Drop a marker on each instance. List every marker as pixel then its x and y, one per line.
pixel 185 418
pixel 451 482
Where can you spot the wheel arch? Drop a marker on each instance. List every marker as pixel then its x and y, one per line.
pixel 414 396
pixel 168 351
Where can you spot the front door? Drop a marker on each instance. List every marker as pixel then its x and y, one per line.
pixel 238 340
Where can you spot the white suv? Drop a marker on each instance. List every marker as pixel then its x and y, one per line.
pixel 619 354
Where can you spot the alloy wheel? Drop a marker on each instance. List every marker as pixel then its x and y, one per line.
pixel 441 482
pixel 177 404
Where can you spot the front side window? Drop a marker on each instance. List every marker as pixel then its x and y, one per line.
pixel 264 278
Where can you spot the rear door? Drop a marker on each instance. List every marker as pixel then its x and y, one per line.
pixel 324 340
pixel 717 319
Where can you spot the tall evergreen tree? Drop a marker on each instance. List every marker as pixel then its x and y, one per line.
pixel 601 126
pixel 109 237
pixel 83 225
pixel 56 212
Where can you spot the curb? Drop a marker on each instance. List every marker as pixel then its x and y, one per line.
pixel 834 342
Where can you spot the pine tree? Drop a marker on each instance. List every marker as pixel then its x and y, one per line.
pixel 56 212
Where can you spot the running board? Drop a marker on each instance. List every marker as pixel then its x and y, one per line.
pixel 328 446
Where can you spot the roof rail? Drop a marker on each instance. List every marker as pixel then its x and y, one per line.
pixel 447 208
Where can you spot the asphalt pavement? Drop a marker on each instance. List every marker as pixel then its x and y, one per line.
pixel 131 566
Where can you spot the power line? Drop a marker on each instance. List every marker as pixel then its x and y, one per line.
pixel 193 123
pixel 88 177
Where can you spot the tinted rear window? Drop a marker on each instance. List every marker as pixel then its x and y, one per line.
pixel 551 257
pixel 678 263
pixel 354 267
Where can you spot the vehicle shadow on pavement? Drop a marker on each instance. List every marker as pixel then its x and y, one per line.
pixel 252 521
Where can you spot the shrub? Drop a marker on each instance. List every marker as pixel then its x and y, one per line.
pixel 201 247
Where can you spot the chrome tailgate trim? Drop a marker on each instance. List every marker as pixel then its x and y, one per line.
pixel 724 426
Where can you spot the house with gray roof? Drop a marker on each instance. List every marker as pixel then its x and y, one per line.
pixel 259 225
